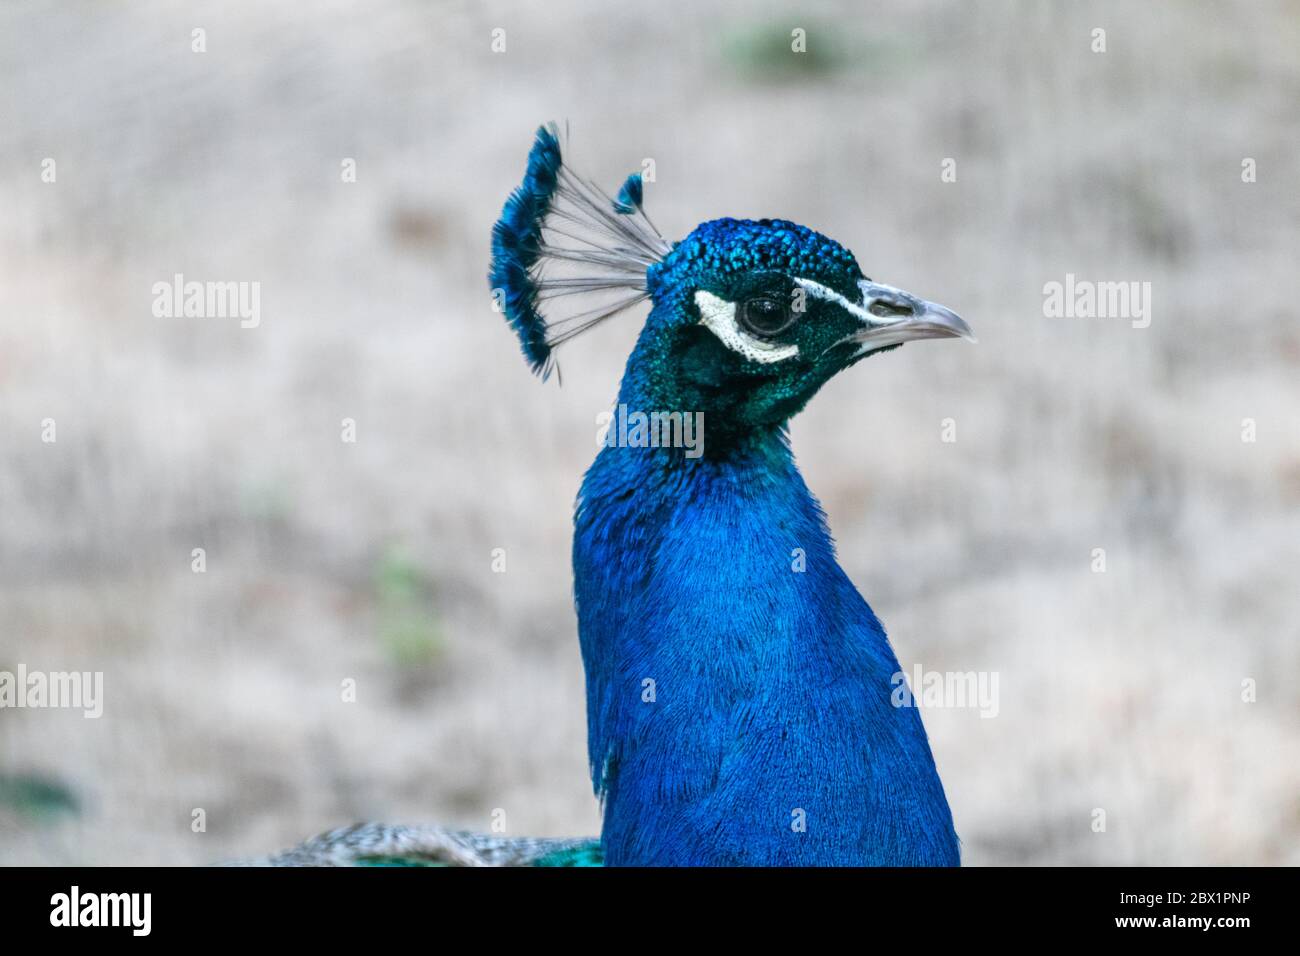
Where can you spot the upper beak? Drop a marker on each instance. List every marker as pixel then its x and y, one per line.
pixel 892 316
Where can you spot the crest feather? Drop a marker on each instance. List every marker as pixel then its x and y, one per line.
pixel 565 256
pixel 629 196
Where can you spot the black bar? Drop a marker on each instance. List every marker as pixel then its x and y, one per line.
pixel 565 907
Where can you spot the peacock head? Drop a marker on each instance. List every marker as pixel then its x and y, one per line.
pixel 750 317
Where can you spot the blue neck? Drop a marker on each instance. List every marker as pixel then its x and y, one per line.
pixel 738 686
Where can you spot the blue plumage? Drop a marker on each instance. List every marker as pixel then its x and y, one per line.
pixel 738 686
pixel 772 688
pixel 729 247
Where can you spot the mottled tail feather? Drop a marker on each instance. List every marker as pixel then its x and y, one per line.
pixel 378 844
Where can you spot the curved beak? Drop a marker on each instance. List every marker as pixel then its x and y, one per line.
pixel 891 316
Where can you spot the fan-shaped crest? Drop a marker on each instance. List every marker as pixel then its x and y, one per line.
pixel 565 255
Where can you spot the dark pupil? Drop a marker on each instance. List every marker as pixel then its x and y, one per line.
pixel 765 316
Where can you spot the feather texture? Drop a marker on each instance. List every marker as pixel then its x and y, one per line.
pixel 378 844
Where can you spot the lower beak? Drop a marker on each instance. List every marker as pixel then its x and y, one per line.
pixel 893 317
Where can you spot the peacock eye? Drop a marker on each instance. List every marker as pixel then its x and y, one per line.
pixel 766 315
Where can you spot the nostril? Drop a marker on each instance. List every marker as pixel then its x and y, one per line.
pixel 886 309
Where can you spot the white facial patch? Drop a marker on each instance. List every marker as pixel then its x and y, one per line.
pixel 719 316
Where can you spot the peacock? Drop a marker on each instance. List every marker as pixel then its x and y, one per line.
pixel 740 704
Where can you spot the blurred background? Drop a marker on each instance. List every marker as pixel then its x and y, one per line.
pixel 371 561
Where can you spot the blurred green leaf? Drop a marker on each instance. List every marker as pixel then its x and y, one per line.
pixel 407 621
pixel 266 500
pixel 37 797
pixel 767 51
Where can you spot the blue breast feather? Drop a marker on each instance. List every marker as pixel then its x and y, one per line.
pixel 771 687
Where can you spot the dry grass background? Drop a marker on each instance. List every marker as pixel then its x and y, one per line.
pixel 371 561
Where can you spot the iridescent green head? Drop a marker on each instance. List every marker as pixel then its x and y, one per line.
pixel 752 317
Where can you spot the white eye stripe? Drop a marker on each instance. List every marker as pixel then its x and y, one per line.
pixel 719 316
pixel 871 292
pixel 819 291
